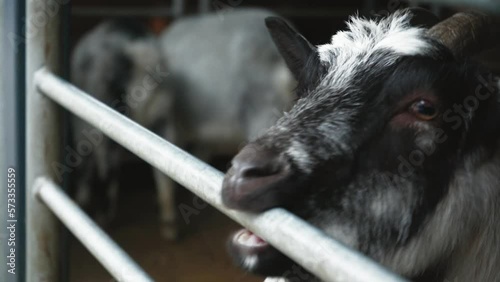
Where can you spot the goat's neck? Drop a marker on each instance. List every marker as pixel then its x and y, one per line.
pixel 479 258
pixel 460 241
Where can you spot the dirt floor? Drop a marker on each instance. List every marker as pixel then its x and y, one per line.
pixel 199 255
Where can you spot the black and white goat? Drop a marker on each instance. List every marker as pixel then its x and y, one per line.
pixel 391 149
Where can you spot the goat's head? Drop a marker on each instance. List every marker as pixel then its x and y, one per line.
pixel 388 113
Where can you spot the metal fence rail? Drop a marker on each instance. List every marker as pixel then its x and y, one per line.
pixel 311 248
pixel 105 250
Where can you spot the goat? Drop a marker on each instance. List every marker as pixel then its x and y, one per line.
pixel 225 97
pixel 391 149
pixel 213 100
pixel 120 64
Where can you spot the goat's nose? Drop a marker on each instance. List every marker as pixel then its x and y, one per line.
pixel 255 163
pixel 253 182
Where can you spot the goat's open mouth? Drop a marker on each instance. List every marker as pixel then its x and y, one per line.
pixel 254 254
pixel 249 242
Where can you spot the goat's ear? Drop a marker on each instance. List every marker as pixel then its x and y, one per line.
pixel 294 48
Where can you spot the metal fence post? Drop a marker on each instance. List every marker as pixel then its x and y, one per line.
pixel 12 132
pixel 3 177
pixel 42 139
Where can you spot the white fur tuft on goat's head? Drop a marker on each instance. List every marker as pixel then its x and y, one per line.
pixel 391 148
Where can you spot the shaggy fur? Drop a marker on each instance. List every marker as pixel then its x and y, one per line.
pixel 421 196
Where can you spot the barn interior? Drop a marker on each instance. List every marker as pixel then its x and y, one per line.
pixel 199 253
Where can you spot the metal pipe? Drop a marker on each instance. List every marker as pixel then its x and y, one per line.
pixel 12 143
pixel 42 138
pixel 3 159
pixel 104 249
pixel 311 248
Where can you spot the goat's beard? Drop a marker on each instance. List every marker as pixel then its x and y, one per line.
pixel 348 221
pixel 253 254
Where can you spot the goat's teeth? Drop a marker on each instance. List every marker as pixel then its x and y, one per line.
pixel 253 240
pixel 244 237
pixel 275 279
pixel 247 238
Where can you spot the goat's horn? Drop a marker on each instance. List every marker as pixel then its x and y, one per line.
pixel 467 33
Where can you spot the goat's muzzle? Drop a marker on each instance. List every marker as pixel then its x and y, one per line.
pixel 257 180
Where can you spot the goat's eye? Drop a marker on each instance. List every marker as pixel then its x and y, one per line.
pixel 423 110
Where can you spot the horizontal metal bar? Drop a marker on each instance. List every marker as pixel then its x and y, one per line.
pixel 308 246
pixel 104 249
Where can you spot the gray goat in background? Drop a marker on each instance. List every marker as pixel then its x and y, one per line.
pixel 120 64
pixel 226 83
pixel 230 80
